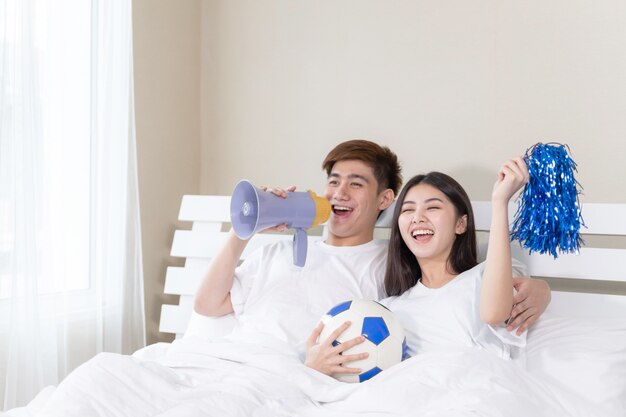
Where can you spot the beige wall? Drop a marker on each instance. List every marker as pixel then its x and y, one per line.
pixel 456 86
pixel 231 89
pixel 167 102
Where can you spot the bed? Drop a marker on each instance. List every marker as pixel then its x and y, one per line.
pixel 574 362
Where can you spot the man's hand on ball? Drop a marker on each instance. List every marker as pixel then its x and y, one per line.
pixel 329 359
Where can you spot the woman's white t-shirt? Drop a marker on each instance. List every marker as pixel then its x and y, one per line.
pixel 449 317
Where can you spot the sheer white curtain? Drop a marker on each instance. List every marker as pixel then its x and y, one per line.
pixel 71 281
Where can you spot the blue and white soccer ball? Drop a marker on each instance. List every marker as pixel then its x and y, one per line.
pixel 384 336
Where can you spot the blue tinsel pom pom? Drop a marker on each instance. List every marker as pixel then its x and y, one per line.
pixel 548 214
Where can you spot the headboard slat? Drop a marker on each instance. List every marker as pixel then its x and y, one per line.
pixel 600 219
pixel 183 281
pixel 190 243
pixel 203 208
pixel 591 263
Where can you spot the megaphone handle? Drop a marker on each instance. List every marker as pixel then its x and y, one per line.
pixel 299 247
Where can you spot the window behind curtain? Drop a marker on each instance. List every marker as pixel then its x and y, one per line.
pixel 62 64
pixel 71 279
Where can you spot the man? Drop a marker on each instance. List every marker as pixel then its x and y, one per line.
pixel 269 295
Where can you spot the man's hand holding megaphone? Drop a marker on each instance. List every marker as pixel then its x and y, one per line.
pixel 279 192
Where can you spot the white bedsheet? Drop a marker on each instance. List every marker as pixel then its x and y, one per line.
pixel 200 378
pixel 466 382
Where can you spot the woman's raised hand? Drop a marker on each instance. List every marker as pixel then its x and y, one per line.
pixel 513 175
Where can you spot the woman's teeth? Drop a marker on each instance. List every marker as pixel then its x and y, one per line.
pixel 422 232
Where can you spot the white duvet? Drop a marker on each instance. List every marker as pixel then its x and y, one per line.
pixel 194 377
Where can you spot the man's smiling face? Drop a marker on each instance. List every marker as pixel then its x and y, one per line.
pixel 352 190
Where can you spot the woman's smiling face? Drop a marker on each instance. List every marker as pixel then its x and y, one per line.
pixel 429 223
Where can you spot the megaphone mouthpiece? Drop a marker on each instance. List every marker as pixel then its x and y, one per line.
pixel 322 209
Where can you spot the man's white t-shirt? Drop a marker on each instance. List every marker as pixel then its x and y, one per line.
pixel 449 317
pixel 272 296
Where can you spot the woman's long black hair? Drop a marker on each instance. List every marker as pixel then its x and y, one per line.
pixel 403 271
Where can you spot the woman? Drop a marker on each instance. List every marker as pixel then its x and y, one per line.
pixel 439 291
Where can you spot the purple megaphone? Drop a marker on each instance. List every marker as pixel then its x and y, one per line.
pixel 252 209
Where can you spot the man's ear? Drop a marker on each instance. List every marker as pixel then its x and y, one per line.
pixel 461 225
pixel 385 198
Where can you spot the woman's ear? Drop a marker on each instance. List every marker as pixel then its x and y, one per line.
pixel 461 225
pixel 385 199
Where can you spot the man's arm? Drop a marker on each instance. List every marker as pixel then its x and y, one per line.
pixel 529 303
pixel 213 295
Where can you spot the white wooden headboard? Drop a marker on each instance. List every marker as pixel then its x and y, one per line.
pixel 210 217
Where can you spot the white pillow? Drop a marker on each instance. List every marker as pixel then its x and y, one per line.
pixel 586 355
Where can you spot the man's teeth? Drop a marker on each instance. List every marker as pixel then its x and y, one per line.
pixel 422 232
pixel 340 208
